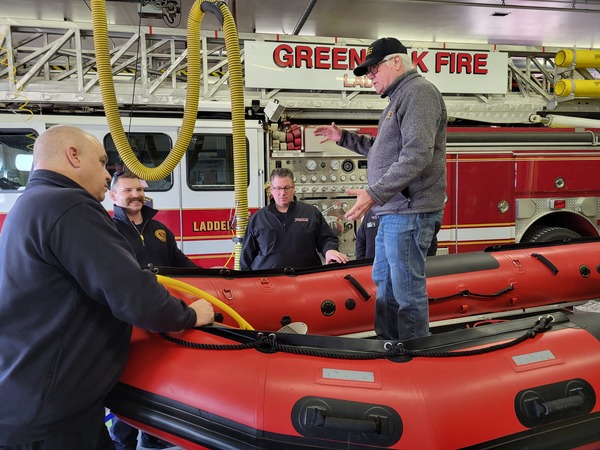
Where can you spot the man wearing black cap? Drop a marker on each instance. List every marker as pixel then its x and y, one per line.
pixel 406 170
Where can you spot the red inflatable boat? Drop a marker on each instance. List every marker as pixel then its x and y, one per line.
pixel 339 299
pixel 526 383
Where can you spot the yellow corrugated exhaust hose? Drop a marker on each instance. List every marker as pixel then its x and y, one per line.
pixel 236 86
pixel 186 288
pixel 111 109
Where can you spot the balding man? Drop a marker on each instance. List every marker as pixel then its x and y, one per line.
pixel 71 287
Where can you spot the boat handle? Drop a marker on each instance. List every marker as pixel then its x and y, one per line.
pixel 358 286
pixel 321 419
pixel 558 406
pixel 547 262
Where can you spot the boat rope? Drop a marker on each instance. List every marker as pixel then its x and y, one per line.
pixel 467 293
pixel 268 341
pixel 197 346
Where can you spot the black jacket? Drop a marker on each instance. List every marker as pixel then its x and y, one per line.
pixel 294 242
pixel 70 288
pixel 365 236
pixel 155 244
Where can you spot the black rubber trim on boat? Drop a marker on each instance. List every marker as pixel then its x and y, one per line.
pixel 572 433
pixel 232 274
pixel 204 428
pixel 435 266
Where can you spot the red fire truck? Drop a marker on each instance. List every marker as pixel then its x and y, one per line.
pixel 504 184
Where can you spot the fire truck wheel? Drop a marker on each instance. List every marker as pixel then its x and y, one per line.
pixel 547 234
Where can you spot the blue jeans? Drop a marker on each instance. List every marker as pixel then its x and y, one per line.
pixel 402 309
pixel 123 435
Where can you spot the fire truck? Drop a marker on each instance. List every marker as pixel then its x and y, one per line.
pixel 508 180
pixel 504 184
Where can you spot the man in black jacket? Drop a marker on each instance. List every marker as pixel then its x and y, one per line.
pixel 286 232
pixel 367 232
pixel 153 244
pixel 71 289
pixel 365 236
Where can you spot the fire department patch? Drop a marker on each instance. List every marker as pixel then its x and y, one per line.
pixel 161 234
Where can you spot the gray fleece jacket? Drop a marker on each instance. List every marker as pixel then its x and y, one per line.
pixel 409 151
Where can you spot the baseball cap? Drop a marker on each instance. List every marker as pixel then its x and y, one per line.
pixel 377 51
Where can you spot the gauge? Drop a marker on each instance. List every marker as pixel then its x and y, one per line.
pixel 311 164
pixel 334 164
pixel 348 165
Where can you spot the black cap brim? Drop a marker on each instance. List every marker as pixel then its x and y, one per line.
pixel 363 68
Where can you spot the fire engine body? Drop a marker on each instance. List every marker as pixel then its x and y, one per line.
pixel 504 184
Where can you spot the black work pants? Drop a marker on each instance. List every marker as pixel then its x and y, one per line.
pixel 88 432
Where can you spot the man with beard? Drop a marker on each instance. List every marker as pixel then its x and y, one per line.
pixel 153 243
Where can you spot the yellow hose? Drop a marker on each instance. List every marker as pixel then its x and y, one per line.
pixel 236 85
pixel 186 288
pixel 109 98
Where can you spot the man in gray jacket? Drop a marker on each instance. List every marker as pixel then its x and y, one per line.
pixel 406 170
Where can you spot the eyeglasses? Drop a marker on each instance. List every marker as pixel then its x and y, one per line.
pixel 375 67
pixel 284 188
